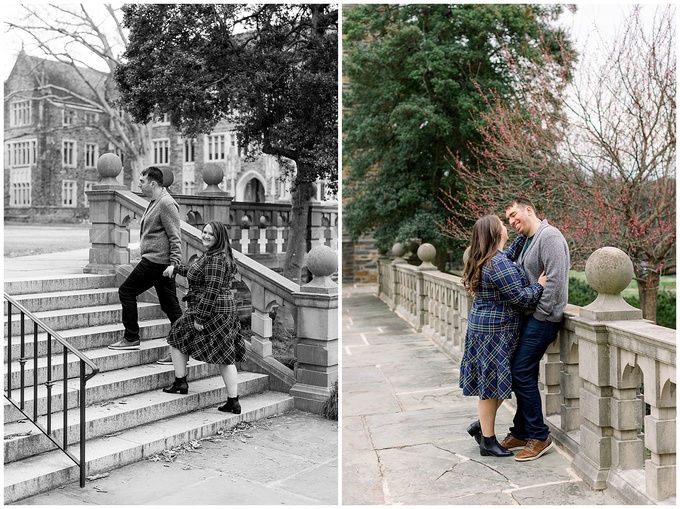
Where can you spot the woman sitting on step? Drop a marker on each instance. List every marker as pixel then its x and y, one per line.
pixel 209 330
pixel 500 288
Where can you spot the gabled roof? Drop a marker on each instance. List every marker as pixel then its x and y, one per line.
pixel 59 74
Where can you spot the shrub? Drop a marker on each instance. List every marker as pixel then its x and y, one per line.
pixel 580 292
pixel 330 406
pixel 665 307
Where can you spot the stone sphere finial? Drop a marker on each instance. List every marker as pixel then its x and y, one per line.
pixel 609 270
pixel 398 250
pixel 322 262
pixel 212 176
pixel 168 177
pixel 427 253
pixel 109 167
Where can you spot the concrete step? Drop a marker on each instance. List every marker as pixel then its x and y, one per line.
pixel 90 316
pixel 105 359
pixel 47 471
pixel 103 387
pixel 64 283
pixel 87 337
pixel 70 299
pixel 113 416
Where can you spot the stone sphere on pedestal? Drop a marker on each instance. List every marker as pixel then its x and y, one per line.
pixel 322 261
pixel 427 253
pixel 398 249
pixel 109 165
pixel 609 270
pixel 213 175
pixel 168 177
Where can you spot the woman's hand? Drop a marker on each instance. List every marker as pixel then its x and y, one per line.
pixel 198 326
pixel 168 272
pixel 542 279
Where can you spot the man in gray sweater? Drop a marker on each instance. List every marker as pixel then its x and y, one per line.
pixel 545 250
pixel 160 246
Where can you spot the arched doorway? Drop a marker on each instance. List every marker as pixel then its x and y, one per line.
pixel 254 191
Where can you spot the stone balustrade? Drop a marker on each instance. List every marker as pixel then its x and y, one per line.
pixel 596 379
pixel 313 307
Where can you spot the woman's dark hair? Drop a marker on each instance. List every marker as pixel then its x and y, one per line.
pixel 221 239
pixel 486 235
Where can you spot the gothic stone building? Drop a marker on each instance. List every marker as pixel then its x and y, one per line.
pixel 53 138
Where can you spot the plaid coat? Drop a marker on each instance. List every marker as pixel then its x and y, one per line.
pixel 210 303
pixel 494 325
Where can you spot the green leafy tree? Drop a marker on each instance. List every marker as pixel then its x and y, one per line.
pixel 270 69
pixel 415 74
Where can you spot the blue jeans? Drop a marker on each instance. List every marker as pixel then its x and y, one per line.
pixel 534 340
pixel 145 275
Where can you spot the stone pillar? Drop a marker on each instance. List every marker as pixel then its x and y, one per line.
pixel 570 381
pixel 398 250
pixel 426 253
pixel 317 329
pixel 215 202
pixel 605 427
pixel 109 233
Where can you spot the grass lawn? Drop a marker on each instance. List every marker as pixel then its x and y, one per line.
pixel 667 283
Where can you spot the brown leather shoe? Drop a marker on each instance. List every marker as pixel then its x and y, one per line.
pixel 513 444
pixel 534 449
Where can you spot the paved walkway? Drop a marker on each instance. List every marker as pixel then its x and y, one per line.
pixel 287 459
pixel 404 420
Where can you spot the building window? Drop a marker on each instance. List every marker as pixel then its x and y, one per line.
pixel 20 187
pixel 88 187
pixel 120 154
pixel 219 146
pixel 188 179
pixel 91 155
pixel 21 153
pixel 161 151
pixel 190 150
pixel 20 113
pixel 69 189
pixel 68 151
pixel 69 116
pixel 91 118
pixel 164 120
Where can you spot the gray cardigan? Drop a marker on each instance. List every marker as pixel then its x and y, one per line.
pixel 548 251
pixel 160 230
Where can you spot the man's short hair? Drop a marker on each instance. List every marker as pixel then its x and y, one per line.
pixel 520 201
pixel 154 173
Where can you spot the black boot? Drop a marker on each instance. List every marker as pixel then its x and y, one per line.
pixel 491 447
pixel 180 386
pixel 475 430
pixel 232 405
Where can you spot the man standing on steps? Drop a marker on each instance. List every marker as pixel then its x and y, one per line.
pixel 160 247
pixel 545 250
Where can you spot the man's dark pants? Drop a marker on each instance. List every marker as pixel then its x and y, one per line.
pixel 144 276
pixel 534 340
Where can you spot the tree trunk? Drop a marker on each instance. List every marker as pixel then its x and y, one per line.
pixel 297 235
pixel 648 287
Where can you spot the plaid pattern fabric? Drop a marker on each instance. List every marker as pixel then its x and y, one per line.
pixel 493 327
pixel 210 304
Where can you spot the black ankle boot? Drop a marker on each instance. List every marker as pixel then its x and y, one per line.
pixel 475 431
pixel 490 447
pixel 180 386
pixel 232 405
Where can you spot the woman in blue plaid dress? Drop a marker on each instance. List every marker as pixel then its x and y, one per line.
pixel 209 330
pixel 500 289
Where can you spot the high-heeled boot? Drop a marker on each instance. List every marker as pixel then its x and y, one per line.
pixel 232 405
pixel 490 447
pixel 180 386
pixel 475 431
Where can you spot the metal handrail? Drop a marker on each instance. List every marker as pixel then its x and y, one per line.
pixel 83 377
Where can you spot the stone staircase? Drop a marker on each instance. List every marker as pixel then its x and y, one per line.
pixel 128 417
